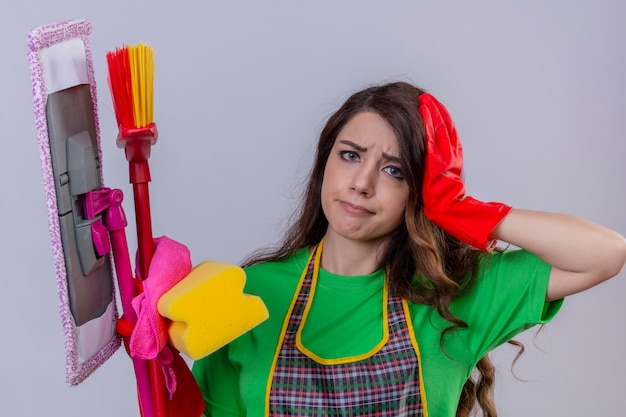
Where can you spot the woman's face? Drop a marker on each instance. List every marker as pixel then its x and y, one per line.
pixel 364 194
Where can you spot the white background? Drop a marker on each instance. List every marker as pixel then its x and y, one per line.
pixel 242 89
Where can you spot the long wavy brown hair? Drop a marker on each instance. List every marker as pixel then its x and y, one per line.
pixel 426 265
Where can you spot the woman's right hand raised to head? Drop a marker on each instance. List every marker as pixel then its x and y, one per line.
pixel 445 202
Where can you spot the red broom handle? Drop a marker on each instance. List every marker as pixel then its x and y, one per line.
pixel 146 250
pixel 143 219
pixel 137 144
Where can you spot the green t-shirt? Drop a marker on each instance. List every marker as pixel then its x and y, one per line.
pixel 346 320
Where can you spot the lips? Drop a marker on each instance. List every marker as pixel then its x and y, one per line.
pixel 355 209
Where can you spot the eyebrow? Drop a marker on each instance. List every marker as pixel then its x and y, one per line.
pixel 364 149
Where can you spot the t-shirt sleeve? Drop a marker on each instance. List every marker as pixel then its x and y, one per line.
pixel 507 298
pixel 219 383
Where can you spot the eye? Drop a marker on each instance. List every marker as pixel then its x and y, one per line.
pixel 349 155
pixel 394 171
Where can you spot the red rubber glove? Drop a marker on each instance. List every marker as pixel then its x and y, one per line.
pixel 445 202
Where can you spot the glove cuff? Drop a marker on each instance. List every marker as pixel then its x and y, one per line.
pixel 470 220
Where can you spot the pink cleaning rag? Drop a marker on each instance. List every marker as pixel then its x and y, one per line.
pixel 170 263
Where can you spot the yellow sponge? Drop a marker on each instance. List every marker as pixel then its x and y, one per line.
pixel 208 309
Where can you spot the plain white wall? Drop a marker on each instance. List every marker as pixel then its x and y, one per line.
pixel 242 89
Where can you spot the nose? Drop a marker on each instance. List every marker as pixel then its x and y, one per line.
pixel 363 180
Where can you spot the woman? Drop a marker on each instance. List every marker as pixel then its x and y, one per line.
pixel 385 294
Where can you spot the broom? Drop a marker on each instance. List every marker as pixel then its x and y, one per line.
pixel 131 81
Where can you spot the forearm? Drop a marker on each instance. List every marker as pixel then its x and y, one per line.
pixel 582 253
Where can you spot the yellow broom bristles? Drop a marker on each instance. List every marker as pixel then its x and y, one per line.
pixel 141 58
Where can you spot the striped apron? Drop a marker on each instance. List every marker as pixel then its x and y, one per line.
pixel 385 383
